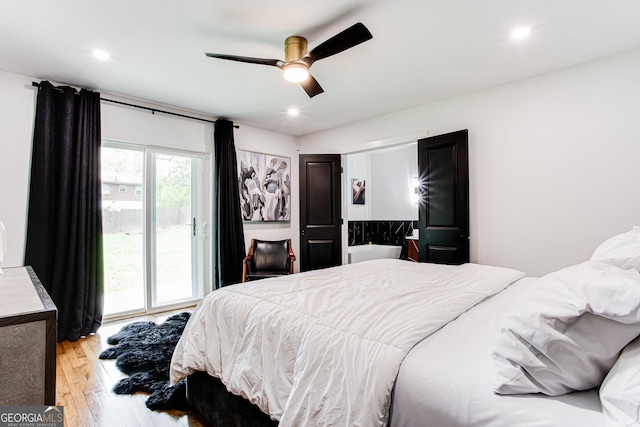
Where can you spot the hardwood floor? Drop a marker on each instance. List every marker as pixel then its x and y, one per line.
pixel 84 383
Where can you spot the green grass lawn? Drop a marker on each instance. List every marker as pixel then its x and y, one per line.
pixel 124 263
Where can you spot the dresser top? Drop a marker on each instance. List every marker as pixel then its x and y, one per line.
pixel 17 293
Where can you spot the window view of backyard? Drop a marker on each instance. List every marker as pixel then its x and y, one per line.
pixel 123 225
pixel 173 228
pixel 122 172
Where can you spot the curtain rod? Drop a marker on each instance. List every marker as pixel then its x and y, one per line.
pixel 153 110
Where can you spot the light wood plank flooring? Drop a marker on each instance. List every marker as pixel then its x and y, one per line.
pixel 84 383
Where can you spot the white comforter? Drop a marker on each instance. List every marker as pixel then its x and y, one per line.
pixel 324 347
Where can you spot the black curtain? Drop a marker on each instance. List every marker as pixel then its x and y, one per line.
pixel 228 232
pixel 64 227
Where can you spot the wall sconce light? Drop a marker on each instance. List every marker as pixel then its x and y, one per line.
pixel 415 197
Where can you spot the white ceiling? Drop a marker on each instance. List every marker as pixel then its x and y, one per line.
pixel 422 50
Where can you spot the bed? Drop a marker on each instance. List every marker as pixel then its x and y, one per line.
pixel 422 345
pixel 449 377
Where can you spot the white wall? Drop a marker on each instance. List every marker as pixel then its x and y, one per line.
pixel 17 113
pixel 258 140
pixel 389 175
pixel 553 160
pixel 137 126
pixel 125 124
pixel 356 166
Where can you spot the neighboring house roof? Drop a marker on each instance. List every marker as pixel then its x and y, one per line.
pixel 111 177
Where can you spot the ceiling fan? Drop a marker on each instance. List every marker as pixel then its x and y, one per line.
pixel 297 60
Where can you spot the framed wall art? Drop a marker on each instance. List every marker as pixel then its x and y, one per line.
pixel 264 181
pixel 358 193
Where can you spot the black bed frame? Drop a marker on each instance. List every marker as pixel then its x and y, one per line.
pixel 208 396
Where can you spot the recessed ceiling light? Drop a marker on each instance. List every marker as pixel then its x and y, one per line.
pixel 101 54
pixel 293 111
pixel 520 33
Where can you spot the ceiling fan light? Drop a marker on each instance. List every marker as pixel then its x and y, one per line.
pixel 520 33
pixel 296 73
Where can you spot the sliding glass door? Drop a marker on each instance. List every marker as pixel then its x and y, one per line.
pixel 154 228
pixel 176 216
pixel 123 229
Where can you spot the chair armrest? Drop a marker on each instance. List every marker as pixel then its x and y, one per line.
pixel 292 258
pixel 249 256
pixel 246 263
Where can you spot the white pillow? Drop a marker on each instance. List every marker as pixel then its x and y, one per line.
pixel 622 250
pixel 567 330
pixel 620 391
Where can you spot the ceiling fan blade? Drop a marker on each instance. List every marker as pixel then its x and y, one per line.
pixel 275 62
pixel 347 39
pixel 311 86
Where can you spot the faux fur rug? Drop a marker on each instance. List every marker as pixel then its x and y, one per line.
pixel 143 351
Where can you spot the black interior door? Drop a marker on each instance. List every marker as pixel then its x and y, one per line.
pixel 443 166
pixel 320 218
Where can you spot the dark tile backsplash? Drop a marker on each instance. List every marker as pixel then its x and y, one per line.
pixel 371 231
pixel 381 232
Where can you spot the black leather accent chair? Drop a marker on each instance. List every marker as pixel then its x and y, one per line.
pixel 268 258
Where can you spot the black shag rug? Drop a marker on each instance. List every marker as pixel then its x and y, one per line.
pixel 143 351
